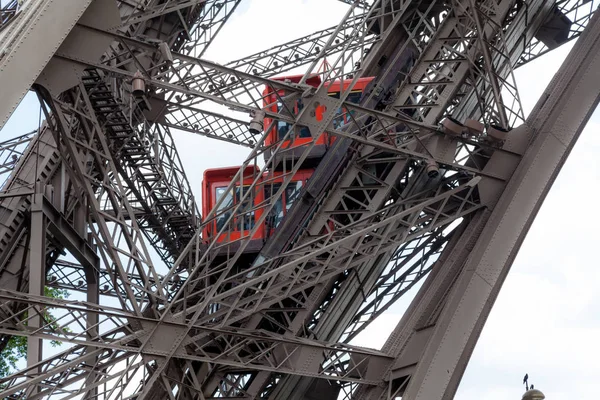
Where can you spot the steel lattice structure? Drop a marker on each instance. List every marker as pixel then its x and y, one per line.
pixel 406 194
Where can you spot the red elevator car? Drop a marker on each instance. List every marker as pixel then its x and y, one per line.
pixel 301 136
pixel 231 230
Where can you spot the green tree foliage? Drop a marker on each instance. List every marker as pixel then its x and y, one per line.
pixel 16 348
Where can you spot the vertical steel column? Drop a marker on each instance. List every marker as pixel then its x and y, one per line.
pixel 37 272
pixel 93 297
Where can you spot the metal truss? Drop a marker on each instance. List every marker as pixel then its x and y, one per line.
pixel 223 271
pixel 151 10
pixel 321 256
pixel 113 225
pixel 304 50
pixel 396 197
pixel 158 177
pixel 278 59
pixel 14 234
pixel 123 271
pixel 352 195
pixel 212 16
pixel 330 117
pixel 408 265
pixel 253 98
pixel 461 46
pixel 578 13
pixel 240 303
pixel 222 346
pixel 491 241
pixel 72 276
pixel 152 168
pixel 529 32
pixel 313 267
pixel 149 164
pixel 206 82
pixel 380 126
pixel 38 164
pixel 10 152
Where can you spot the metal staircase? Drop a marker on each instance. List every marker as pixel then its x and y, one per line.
pixel 167 211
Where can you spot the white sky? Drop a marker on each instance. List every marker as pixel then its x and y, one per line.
pixel 544 322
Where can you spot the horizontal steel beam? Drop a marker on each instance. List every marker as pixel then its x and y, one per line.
pixel 226 346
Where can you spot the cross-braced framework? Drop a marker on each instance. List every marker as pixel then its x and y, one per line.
pixel 419 169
